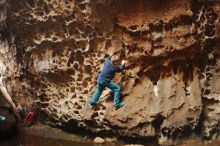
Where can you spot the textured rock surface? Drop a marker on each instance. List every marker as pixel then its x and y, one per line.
pixel 52 51
pixel 9 126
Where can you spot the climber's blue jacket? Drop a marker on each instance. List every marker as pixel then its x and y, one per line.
pixel 109 70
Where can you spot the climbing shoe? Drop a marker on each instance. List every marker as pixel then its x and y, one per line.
pixel 92 104
pixel 121 104
pixel 2 118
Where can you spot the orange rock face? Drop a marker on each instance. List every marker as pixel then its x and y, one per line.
pixel 52 52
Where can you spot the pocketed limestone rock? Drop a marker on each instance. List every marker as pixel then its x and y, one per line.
pixel 52 51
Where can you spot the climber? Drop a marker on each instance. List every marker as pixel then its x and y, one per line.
pixel 105 77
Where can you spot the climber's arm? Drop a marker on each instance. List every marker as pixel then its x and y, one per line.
pixel 122 66
pixel 109 57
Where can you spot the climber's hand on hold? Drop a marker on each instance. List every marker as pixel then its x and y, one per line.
pixel 111 54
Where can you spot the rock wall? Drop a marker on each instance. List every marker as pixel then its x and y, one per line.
pixel 54 50
pixel 7 65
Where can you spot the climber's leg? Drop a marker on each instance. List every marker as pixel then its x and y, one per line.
pixel 97 94
pixel 117 94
